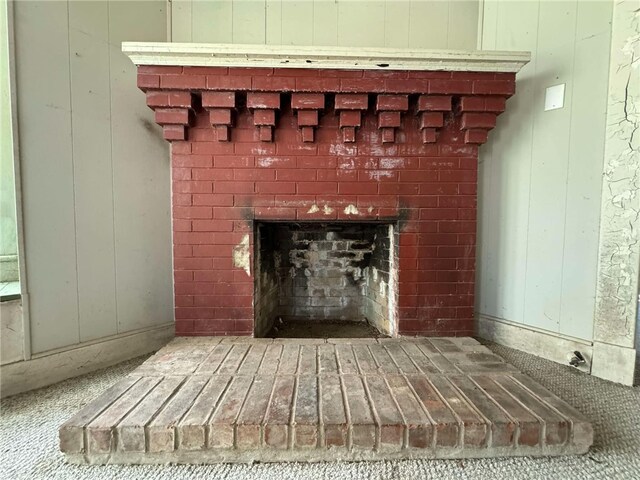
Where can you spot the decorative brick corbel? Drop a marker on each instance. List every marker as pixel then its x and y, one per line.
pixel 431 109
pixel 479 116
pixel 220 106
pixel 350 107
pixel 390 108
pixel 307 107
pixel 173 111
pixel 264 106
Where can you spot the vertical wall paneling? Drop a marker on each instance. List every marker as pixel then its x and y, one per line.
pixel 93 174
pixel 325 23
pixel 181 20
pixel 429 24
pixel 584 179
pixel 463 25
pixel 141 178
pixel 297 22
pixel 547 204
pixel 249 22
pixel 371 23
pixel 361 24
pixel 47 171
pixel 396 24
pixel 212 21
pixel 505 169
pixel 541 170
pixel 273 22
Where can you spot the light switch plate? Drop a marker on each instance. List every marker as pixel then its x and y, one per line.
pixel 554 97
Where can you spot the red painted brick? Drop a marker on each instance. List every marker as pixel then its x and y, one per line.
pixel 478 120
pixel 494 87
pixel 275 187
pixel 434 103
pixel 431 119
pixel 350 118
pixel 359 85
pixel 429 135
pixel 298 174
pixel 356 101
pixel 317 84
pixel 284 84
pixel 220 116
pixel 263 100
pixel 413 85
pixel 213 200
pixel 450 86
pixel 264 117
pixel 148 81
pixel 174 132
pixel 319 188
pixel 392 102
pixel 348 134
pixel 182 81
pixel 359 188
pixel 389 119
pixel 219 99
pixel 476 136
pixel 307 118
pixel 160 69
pixel 307 101
pixel 231 82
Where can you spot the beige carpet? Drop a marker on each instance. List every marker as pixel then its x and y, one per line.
pixel 29 449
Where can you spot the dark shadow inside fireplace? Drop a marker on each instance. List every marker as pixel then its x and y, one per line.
pixel 318 279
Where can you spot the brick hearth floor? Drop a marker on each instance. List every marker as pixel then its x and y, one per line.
pixel 234 399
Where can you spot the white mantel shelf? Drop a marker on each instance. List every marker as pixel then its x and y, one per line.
pixel 286 56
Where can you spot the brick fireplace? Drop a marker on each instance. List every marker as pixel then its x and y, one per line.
pixel 347 190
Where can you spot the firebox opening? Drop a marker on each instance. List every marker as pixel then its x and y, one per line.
pixel 318 279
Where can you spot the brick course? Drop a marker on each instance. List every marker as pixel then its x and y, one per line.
pixel 398 147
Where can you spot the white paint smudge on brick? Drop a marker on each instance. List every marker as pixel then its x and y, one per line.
pixel 391 163
pixel 348 165
pixel 378 174
pixel 242 255
pixel 327 210
pixel 266 162
pixel 314 209
pixel 351 210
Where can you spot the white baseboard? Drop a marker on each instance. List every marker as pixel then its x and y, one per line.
pixel 549 345
pixel 52 367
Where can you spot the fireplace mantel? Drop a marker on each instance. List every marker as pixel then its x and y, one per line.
pixel 346 58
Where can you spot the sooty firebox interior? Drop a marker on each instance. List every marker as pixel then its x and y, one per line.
pixel 325 279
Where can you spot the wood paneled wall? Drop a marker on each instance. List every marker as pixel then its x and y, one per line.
pixel 95 172
pixel 541 171
pixel 385 23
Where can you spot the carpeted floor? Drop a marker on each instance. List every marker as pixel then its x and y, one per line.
pixel 29 446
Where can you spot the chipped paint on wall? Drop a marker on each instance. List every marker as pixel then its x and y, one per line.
pixel 619 257
pixel 241 255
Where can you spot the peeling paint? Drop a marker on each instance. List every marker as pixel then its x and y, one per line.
pixel 242 255
pixel 619 256
pixel 351 210
pixel 314 209
pixel 391 163
pixel 327 210
pixel 266 161
pixel 379 174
